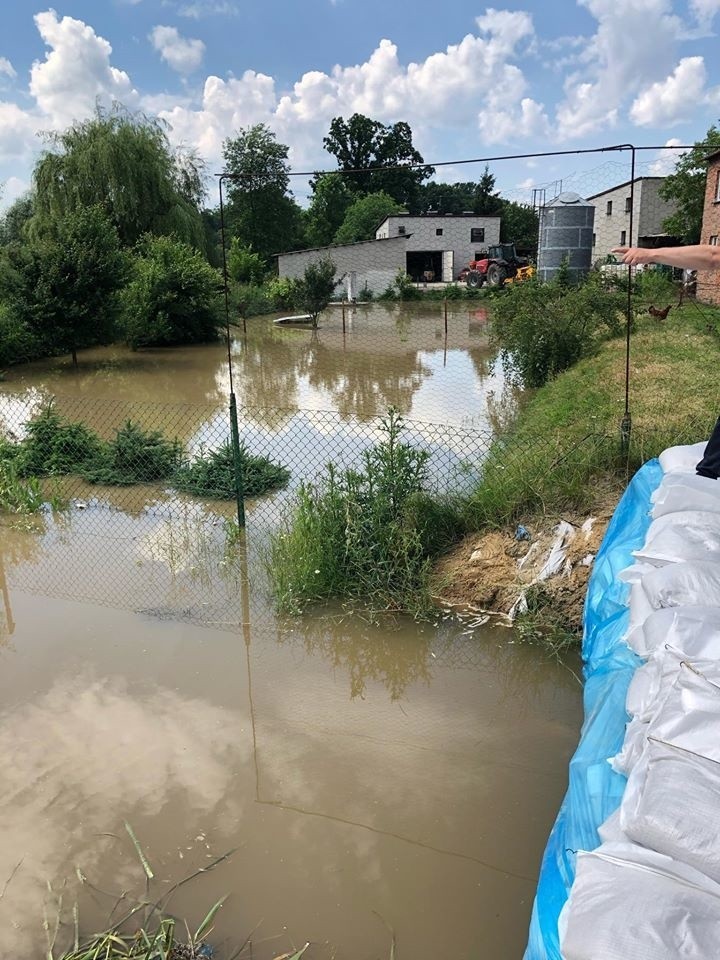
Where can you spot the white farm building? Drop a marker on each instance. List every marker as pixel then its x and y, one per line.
pixel 429 247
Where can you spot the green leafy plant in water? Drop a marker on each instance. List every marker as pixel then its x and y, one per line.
pixel 363 534
pixel 18 494
pixel 55 446
pixel 135 455
pixel 212 474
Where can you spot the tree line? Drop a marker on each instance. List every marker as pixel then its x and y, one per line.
pixel 116 240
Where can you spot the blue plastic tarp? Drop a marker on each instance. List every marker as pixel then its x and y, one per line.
pixel 594 789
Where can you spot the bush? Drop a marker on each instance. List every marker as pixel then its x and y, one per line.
pixel 244 266
pixel 135 456
pixel 54 446
pixel 249 300
pixel 212 474
pixel 364 535
pixel 173 297
pixel 17 342
pixel 282 292
pixel 544 328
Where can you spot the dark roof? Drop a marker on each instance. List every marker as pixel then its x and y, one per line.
pixel 620 185
pixel 712 156
pixel 336 246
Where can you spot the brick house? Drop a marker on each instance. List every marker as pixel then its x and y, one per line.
pixel 708 281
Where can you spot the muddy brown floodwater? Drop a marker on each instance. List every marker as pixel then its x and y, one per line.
pixel 399 777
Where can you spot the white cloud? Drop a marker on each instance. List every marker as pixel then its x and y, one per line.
pixel 76 74
pixel 668 101
pixel 704 12
pixel 7 69
pixel 183 54
pixel 634 44
pixel 199 9
pixel 665 160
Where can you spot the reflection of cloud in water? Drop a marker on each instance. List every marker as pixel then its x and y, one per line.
pixel 85 756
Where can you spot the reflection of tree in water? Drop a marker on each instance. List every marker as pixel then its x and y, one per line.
pixel 269 366
pixel 384 653
pixel 364 383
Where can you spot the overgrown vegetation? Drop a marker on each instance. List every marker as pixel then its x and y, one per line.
pixel 544 328
pixel 55 446
pixel 364 535
pixel 212 474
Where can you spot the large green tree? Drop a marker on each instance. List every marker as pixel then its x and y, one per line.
pixel 174 295
pixel 685 187
pixel 123 163
pixel 330 200
pixel 364 216
pixel 474 196
pixel 361 143
pixel 519 224
pixel 63 284
pixel 261 212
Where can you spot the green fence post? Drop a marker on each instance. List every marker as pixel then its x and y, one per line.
pixel 237 463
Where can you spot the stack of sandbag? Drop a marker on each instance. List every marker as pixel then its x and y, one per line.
pixel 651 890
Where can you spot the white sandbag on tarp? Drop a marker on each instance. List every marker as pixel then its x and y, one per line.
pixel 651 682
pixel 694 630
pixel 671 805
pixel 679 491
pixel 683 458
pixel 691 584
pixel 681 536
pixel 640 606
pixel 628 903
pixel 688 716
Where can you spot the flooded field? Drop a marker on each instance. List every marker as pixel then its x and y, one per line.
pixel 397 779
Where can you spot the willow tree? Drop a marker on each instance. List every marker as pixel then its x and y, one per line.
pixel 124 164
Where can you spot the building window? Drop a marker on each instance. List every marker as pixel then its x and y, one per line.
pixel 717 188
pixel 628 204
pixel 594 239
pixel 623 237
pixel 714 240
pixel 438 232
pixel 477 235
pixel 401 230
pixel 608 209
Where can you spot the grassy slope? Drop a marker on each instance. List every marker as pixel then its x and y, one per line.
pixel 563 449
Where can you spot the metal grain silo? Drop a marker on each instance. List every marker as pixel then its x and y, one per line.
pixel 566 232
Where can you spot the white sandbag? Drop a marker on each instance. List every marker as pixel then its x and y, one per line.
pixel 690 584
pixel 610 831
pixel 640 606
pixel 683 458
pixel 689 716
pixel 676 537
pixel 633 747
pixel 671 805
pixel 694 630
pixel 678 491
pixel 636 571
pixel 628 903
pixel 651 682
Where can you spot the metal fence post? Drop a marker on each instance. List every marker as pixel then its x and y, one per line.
pixel 237 463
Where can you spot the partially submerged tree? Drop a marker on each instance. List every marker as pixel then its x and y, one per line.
pixel 124 164
pixel 63 285
pixel 315 289
pixel 686 188
pixel 173 297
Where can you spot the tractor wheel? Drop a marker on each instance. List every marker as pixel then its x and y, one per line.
pixel 474 279
pixel 496 275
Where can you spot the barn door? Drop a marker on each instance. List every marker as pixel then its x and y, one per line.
pixel 448 262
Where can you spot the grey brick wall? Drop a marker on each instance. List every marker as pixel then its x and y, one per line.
pixel 372 263
pixel 649 211
pixel 422 234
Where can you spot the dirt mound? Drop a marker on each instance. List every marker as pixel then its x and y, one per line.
pixel 494 571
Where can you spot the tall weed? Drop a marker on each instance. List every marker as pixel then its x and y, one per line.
pixel 364 535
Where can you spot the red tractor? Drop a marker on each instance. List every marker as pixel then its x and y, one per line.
pixel 499 266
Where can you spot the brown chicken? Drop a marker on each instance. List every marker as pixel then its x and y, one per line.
pixel 660 314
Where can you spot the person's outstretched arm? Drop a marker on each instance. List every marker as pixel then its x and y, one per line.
pixel 701 256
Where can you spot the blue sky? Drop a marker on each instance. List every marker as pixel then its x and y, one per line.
pixel 471 80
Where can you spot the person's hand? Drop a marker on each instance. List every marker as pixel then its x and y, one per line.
pixel 634 255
